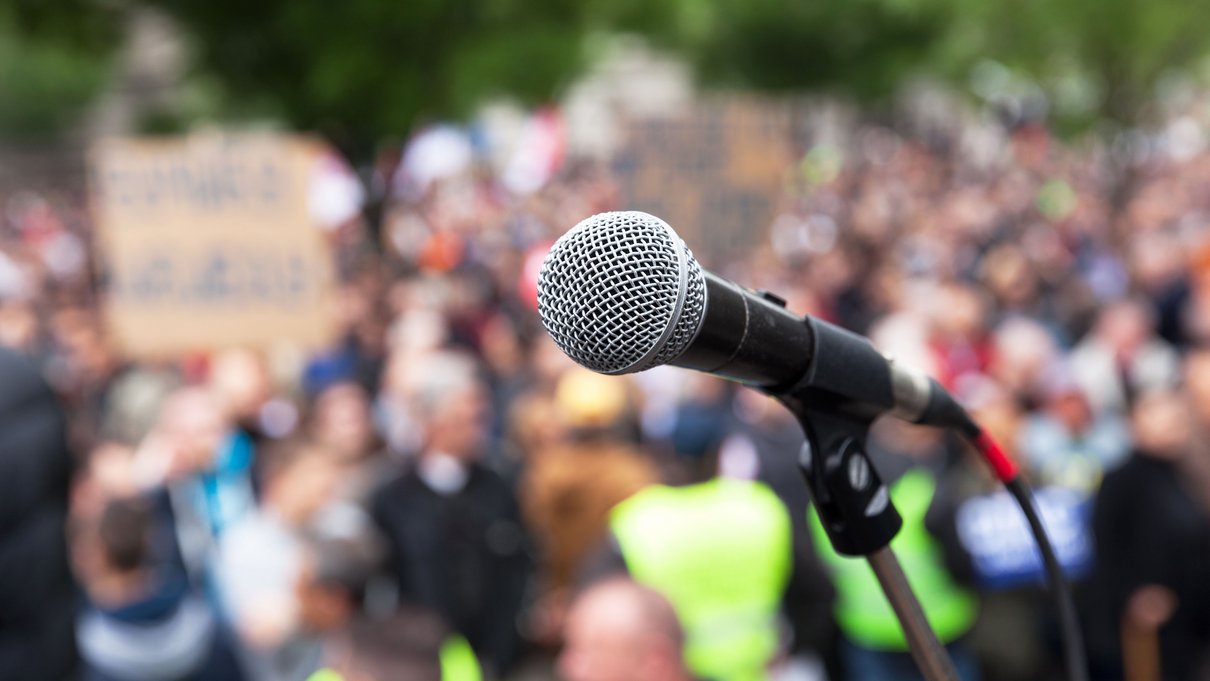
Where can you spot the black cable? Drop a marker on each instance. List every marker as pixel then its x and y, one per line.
pixel 1073 641
pixel 1007 472
pixel 943 409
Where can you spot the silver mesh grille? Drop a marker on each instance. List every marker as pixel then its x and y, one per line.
pixel 621 293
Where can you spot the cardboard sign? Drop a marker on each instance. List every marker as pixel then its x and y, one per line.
pixel 715 175
pixel 207 242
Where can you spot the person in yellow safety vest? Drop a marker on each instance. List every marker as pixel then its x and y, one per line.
pixel 873 646
pixel 720 550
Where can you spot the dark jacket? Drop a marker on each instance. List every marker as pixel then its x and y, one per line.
pixel 463 554
pixel 37 596
pixel 1149 529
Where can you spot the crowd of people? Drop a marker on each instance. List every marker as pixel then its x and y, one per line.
pixel 444 494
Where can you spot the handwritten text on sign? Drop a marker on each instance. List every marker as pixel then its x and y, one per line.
pixel 207 242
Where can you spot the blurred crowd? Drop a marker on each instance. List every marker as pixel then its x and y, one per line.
pixel 443 494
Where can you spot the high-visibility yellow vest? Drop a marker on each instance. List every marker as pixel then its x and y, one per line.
pixel 862 610
pixel 720 552
pixel 458 661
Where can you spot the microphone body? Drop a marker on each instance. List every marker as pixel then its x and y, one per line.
pixel 750 337
pixel 621 293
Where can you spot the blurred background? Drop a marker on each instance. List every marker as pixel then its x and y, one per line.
pixel 275 402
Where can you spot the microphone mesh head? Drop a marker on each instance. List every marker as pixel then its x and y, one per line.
pixel 621 293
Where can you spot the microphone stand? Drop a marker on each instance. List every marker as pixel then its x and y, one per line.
pixel 855 509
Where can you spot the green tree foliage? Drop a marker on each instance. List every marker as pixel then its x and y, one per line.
pixel 368 68
pixel 1096 60
pixel 54 59
pixel 359 70
pixel 860 47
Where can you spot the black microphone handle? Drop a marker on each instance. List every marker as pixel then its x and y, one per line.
pixel 748 337
pixel 751 338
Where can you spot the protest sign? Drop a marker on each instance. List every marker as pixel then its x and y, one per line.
pixel 207 242
pixel 715 173
pixel 993 529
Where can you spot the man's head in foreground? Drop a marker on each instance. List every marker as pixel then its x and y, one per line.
pixel 619 630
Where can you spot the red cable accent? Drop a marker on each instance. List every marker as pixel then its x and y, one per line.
pixel 1002 465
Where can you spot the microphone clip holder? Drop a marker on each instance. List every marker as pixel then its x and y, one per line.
pixel 856 510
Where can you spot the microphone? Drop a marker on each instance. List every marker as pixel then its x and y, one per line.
pixel 621 293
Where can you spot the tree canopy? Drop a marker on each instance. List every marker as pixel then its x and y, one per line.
pixel 362 70
pixel 54 60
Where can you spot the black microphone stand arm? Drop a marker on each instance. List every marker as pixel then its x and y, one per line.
pixel 853 502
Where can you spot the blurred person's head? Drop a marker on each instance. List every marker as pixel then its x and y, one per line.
pixel 193 426
pixel 404 645
pixel 1197 383
pixel 1065 400
pixel 1150 207
pixel 700 427
pixel 341 421
pixel 832 272
pixel 588 402
pixel 89 359
pixel 1010 276
pixel 959 314
pixel 1125 326
pixel 502 347
pixel 1024 350
pixel 548 361
pixel 885 288
pixel 418 331
pixel 240 381
pixel 1157 259
pixel 619 630
pixel 371 334
pixel 334 578
pixel 451 403
pixel 111 552
pixel 18 325
pixel 299 481
pixel 535 424
pixel 1162 424
pixel 124 531
pixel 470 294
pixel 354 305
pixel 966 211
